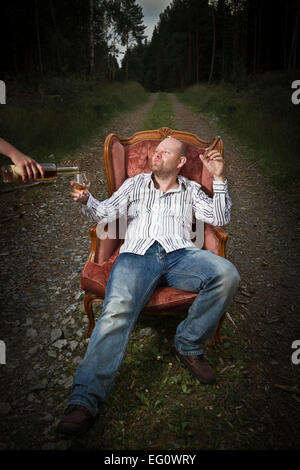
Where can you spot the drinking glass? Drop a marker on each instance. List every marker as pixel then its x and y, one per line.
pixel 81 180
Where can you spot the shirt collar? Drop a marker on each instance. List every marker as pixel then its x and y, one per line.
pixel 181 181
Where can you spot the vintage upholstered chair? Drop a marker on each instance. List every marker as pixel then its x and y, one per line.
pixel 124 158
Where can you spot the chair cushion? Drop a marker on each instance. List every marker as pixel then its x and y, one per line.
pixel 94 279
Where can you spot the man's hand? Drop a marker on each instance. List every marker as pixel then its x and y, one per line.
pixel 79 196
pixel 214 162
pixel 31 170
pixel 29 167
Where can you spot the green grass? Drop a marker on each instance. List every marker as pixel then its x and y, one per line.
pixel 64 114
pixel 156 404
pixel 262 119
pixel 160 115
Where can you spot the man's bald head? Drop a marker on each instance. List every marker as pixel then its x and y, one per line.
pixel 180 145
pixel 168 157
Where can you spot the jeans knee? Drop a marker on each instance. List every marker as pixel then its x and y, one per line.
pixel 233 276
pixel 228 276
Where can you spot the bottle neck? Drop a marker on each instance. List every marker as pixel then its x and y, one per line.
pixel 67 169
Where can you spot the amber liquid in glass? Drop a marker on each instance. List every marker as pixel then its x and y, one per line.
pixel 80 187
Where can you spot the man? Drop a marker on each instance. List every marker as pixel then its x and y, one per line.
pixel 157 250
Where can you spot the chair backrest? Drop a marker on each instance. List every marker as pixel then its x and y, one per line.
pixel 127 157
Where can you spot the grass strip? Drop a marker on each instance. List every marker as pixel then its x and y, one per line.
pixel 160 115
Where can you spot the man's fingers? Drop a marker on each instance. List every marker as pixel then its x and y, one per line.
pixel 217 158
pixel 40 169
pixel 35 171
pixel 211 157
pixel 212 153
pixel 26 172
pixel 77 196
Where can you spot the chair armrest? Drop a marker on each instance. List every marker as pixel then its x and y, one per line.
pixel 222 238
pixel 94 243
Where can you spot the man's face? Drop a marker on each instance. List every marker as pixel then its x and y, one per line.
pixel 166 158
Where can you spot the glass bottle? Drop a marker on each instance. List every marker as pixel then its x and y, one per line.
pixel 13 174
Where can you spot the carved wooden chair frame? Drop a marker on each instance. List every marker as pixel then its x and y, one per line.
pixel 222 237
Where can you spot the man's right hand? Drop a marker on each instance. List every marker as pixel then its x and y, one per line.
pixel 78 196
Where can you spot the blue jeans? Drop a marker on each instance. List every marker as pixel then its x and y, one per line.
pixel 132 280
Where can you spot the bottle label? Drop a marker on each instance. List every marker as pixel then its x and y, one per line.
pixel 16 172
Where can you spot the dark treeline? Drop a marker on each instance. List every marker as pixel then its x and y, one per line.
pixel 57 37
pixel 194 40
pixel 230 40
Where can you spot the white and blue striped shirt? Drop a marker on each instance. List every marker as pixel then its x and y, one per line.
pixel 151 215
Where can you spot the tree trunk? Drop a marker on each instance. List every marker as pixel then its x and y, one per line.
pixel 57 49
pixel 259 38
pixel 114 59
pixel 127 65
pixel 296 36
pixel 37 26
pixel 285 34
pixel 91 39
pixel 255 40
pixel 213 52
pixel 190 58
pixel 197 47
pixel 197 55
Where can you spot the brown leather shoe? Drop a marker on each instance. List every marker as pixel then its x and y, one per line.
pixel 76 420
pixel 198 367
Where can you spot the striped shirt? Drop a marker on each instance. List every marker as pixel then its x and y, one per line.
pixel 151 215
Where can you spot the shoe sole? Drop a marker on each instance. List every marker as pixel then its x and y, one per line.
pixel 72 432
pixel 204 382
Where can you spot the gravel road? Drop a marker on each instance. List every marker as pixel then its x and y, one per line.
pixel 45 243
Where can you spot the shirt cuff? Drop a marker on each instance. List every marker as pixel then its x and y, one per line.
pixel 220 186
pixel 88 205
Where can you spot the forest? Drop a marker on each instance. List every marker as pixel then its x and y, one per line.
pixel 76 71
pixel 193 41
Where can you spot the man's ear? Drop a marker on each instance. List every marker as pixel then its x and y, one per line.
pixel 182 161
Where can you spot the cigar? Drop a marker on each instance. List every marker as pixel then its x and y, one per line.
pixel 213 144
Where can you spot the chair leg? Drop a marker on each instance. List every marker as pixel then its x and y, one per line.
pixel 88 305
pixel 218 338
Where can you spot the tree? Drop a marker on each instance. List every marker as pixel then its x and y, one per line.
pixel 130 26
pixel 37 25
pixel 213 52
pixel 91 39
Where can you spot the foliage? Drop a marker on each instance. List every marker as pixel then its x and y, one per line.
pixel 262 117
pixel 52 37
pixel 42 125
pixel 222 40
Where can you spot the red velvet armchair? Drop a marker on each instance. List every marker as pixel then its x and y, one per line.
pixel 124 158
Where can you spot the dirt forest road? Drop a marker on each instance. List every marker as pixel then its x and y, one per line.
pixel 44 245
